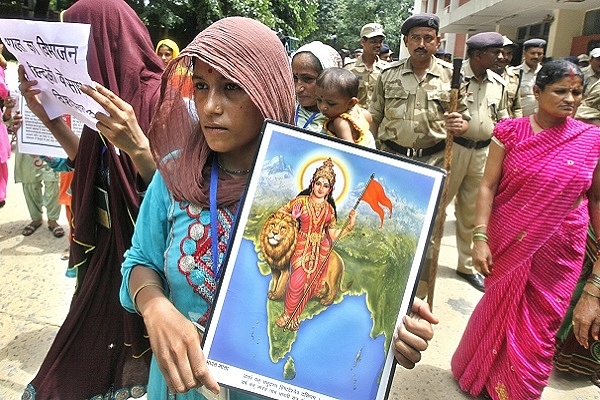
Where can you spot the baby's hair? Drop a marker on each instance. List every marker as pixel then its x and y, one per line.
pixel 340 79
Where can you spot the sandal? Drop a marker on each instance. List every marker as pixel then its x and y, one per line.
pixel 57 231
pixel 65 254
pixel 30 228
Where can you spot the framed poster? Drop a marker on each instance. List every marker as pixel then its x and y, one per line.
pixel 310 298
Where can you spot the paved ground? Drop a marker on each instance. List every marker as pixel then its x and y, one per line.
pixel 34 298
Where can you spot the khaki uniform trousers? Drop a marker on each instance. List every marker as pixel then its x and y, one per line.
pixel 436 160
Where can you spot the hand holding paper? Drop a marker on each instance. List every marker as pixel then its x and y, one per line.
pixel 54 56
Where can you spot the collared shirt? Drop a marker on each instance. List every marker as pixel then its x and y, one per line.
pixel 512 93
pixel 367 78
pixel 590 106
pixel 589 78
pixel 486 101
pixel 528 101
pixel 411 112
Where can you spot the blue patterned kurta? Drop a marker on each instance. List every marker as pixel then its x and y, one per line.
pixel 173 238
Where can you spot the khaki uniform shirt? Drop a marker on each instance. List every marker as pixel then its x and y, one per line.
pixel 589 78
pixel 367 78
pixel 486 101
pixel 512 93
pixel 590 106
pixel 528 101
pixel 411 112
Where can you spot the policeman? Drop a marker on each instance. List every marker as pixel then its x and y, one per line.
pixel 533 53
pixel 368 65
pixel 486 100
pixel 592 72
pixel 511 78
pixel 411 102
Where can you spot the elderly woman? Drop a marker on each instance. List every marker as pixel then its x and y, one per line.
pixel 540 188
pixel 307 64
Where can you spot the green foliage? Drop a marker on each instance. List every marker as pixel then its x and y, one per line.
pixel 353 14
pixel 335 22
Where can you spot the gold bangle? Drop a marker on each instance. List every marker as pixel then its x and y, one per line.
pixel 593 283
pixel 145 285
pixel 590 294
pixel 479 236
pixel 479 226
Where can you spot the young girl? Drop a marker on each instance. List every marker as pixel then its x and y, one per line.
pixel 172 269
pixel 337 91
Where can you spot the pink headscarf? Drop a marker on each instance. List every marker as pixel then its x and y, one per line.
pixel 249 54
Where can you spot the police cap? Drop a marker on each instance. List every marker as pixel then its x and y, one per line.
pixel 534 43
pixel 484 40
pixel 426 20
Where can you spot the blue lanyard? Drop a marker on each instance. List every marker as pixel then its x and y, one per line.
pixel 308 121
pixel 214 229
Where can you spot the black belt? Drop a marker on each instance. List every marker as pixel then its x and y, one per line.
pixel 410 152
pixel 472 144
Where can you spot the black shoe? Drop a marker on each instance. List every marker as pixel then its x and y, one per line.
pixel 476 280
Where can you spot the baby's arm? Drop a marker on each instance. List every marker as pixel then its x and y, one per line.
pixel 342 129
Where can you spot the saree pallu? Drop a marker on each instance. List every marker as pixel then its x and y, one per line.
pixel 537 239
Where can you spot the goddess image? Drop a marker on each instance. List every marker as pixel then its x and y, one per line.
pixel 314 269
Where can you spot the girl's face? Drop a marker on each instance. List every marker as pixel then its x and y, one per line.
pixel 331 102
pixel 561 98
pixel 321 188
pixel 165 53
pixel 305 80
pixel 229 119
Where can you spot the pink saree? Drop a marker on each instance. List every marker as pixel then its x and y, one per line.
pixel 537 233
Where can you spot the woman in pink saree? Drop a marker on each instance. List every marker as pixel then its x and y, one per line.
pixel 540 188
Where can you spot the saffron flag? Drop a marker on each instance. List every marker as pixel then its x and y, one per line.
pixel 374 195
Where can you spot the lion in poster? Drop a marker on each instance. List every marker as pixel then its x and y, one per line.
pixel 278 240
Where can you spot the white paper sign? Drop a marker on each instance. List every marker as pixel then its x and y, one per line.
pixel 35 139
pixel 54 54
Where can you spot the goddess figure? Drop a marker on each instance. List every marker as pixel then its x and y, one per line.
pixel 315 210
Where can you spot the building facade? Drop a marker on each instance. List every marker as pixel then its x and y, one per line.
pixel 570 27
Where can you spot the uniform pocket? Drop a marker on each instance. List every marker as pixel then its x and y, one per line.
pixel 396 102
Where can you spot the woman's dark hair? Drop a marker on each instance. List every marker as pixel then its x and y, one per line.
pixel 555 70
pixel 340 79
pixel 314 61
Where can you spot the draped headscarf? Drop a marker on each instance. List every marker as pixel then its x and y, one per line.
pixel 327 55
pixel 120 57
pixel 170 44
pixel 244 51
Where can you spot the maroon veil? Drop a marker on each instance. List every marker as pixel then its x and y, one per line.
pixel 101 349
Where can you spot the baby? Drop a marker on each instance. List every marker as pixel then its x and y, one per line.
pixel 336 92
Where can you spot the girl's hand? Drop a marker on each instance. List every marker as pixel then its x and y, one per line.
pixel 120 126
pixel 413 336
pixel 175 342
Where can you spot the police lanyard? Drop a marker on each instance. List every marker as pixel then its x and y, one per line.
pixel 308 121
